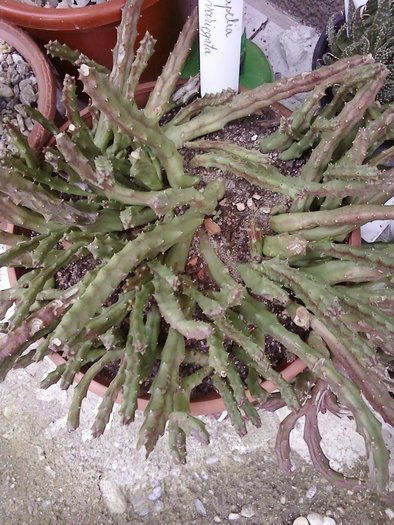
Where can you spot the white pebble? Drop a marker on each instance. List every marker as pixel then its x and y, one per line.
pixel 315 519
pixel 249 203
pixel 113 497
pixel 247 512
pixel 211 460
pixel 301 520
pixel 311 492
pixel 156 493
pixel 233 516
pixel 283 500
pixel 328 521
pixel 389 514
pixel 159 506
pixel 200 507
pixel 256 196
pixel 240 206
pixel 217 519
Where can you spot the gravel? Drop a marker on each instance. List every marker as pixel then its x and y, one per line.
pixel 18 86
pixel 62 4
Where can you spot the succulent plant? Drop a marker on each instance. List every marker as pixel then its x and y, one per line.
pixel 370 29
pixel 119 190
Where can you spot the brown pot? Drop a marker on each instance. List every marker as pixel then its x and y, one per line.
pixel 204 404
pixel 46 85
pixel 92 29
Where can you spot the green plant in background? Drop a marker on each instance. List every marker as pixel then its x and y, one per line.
pixel 370 29
pixel 119 191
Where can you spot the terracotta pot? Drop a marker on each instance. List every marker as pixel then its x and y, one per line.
pixel 46 85
pixel 92 29
pixel 205 404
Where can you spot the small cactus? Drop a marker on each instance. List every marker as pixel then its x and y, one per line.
pixel 370 30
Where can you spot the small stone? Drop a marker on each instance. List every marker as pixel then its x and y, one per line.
pixel 254 137
pixel 315 519
pixel 389 513
pixel 211 226
pixel 113 497
pixel 211 460
pixel 249 203
pixel 27 95
pixel 8 413
pixel 233 516
pixel 301 520
pixel 40 453
pixel 156 493
pixel 283 500
pixel 256 196
pixel 217 519
pixel 328 521
pixel 240 206
pixel 311 492
pixel 266 209
pixel 200 507
pixel 247 512
pixel 140 504
pixel 6 91
pixel 159 506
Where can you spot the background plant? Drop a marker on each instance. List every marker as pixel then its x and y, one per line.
pixel 370 29
pixel 119 190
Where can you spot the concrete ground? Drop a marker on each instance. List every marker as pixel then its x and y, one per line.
pixel 49 476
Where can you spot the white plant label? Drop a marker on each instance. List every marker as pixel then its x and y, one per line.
pixel 220 32
pixel 357 4
pixel 371 231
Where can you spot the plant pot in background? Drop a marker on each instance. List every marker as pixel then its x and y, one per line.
pixel 322 44
pixel 92 29
pixel 46 85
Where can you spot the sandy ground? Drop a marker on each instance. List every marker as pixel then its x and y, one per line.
pixel 49 476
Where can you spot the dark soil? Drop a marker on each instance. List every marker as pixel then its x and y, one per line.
pixel 229 232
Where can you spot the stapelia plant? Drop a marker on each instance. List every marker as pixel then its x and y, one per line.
pixel 370 29
pixel 119 191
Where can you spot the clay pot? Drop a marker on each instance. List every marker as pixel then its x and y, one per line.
pixel 92 29
pixel 204 404
pixel 46 85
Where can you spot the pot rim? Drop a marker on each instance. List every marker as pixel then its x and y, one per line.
pixel 46 84
pixel 67 19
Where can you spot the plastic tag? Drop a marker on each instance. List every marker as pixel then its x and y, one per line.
pixel 220 32
pixel 372 230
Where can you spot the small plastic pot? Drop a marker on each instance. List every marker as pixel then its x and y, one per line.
pixel 92 29
pixel 46 84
